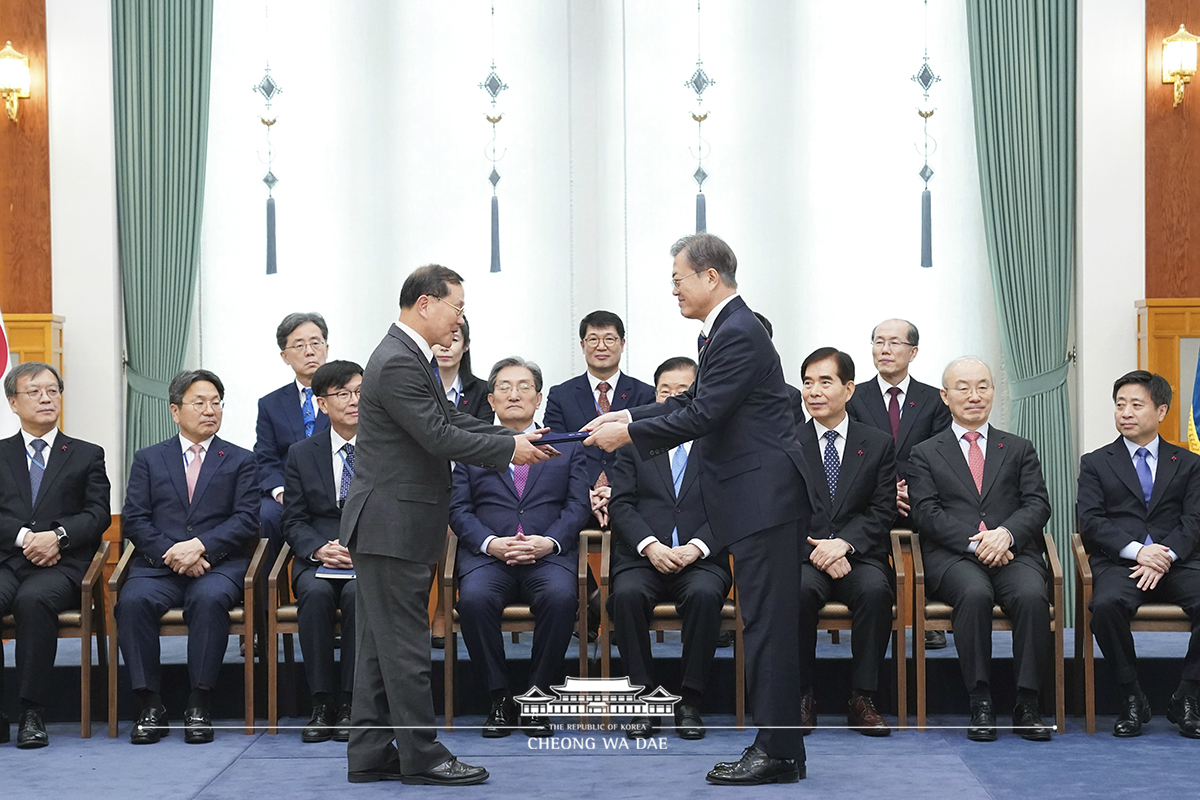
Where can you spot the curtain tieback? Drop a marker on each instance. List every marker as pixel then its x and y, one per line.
pixel 1039 384
pixel 147 386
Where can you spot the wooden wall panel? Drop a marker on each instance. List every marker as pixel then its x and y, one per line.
pixel 1172 162
pixel 25 285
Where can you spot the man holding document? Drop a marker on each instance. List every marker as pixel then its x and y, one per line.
pixel 754 484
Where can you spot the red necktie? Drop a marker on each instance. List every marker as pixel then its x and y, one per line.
pixel 602 401
pixel 975 463
pixel 894 412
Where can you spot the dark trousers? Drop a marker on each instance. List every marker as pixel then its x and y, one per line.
pixel 391 673
pixel 206 603
pixel 1019 588
pixel 867 589
pixel 269 513
pixel 699 595
pixel 1115 599
pixel 317 602
pixel 553 596
pixel 768 578
pixel 34 596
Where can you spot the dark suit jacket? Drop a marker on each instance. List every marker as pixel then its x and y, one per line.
pixel 1112 509
pixel 408 434
pixel 754 475
pixel 571 405
pixel 280 425
pixel 865 503
pixel 223 512
pixel 555 504
pixel 74 495
pixel 311 516
pixel 924 414
pixel 643 504
pixel 473 399
pixel 947 508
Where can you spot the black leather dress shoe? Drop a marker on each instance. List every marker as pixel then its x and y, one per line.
pixel 935 640
pixel 341 726
pixel 151 726
pixel 4 732
pixel 808 715
pixel 641 727
pixel 317 729
pixel 535 726
pixel 1185 712
pixel 983 723
pixel 501 719
pixel 448 773
pixel 755 768
pixel 1135 712
pixel 863 717
pixel 31 732
pixel 1028 724
pixel 688 723
pixel 197 726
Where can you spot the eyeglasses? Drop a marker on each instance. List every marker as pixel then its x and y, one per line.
pixel 300 347
pixel 522 388
pixel 966 391
pixel 458 310
pixel 608 341
pixel 36 394
pixel 344 395
pixel 200 406
pixel 890 344
pixel 676 281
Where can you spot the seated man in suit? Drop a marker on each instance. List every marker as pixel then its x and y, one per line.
pixel 191 509
pixel 518 534
pixel 663 550
pixel 288 414
pixel 902 406
pixel 847 559
pixel 53 511
pixel 316 481
pixel 980 503
pixel 1139 516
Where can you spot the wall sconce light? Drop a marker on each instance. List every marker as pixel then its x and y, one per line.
pixel 1179 60
pixel 14 78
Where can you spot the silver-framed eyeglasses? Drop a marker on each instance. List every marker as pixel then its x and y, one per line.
pixel 299 347
pixel 36 394
pixel 200 406
pixel 458 310
pixel 522 388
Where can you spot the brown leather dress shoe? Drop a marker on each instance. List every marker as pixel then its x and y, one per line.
pixel 808 715
pixel 865 719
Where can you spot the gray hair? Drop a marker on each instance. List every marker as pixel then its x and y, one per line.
pixel 706 251
pixel 914 335
pixel 183 381
pixel 28 369
pixel 293 321
pixel 514 361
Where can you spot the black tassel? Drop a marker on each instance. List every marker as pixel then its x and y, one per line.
pixel 495 234
pixel 701 221
pixel 926 234
pixel 271 270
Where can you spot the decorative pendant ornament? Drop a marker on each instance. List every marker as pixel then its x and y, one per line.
pixel 925 78
pixel 698 82
pixel 493 85
pixel 268 88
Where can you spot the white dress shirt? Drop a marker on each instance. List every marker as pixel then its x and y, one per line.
pixel 339 462
pixel 1131 550
pixel 455 390
pixel 701 546
pixel 422 345
pixel 595 382
pixel 46 451
pixel 887 398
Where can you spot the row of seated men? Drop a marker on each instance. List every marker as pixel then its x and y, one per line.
pixel 978 506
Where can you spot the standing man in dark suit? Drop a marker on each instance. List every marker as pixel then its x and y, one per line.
pixel 754 484
pixel 1139 516
pixel 191 510
pixel 394 525
pixel 905 408
pixel 663 550
pixel 317 480
pixel 518 540
pixel 980 503
pixel 289 414
pixel 53 511
pixel 848 560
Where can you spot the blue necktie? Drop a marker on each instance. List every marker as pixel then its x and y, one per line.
pixel 37 468
pixel 1146 479
pixel 347 472
pixel 678 467
pixel 310 416
pixel 437 376
pixel 833 466
pixel 701 340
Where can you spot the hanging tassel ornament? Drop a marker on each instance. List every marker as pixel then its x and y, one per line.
pixel 494 86
pixel 698 83
pixel 926 79
pixel 268 88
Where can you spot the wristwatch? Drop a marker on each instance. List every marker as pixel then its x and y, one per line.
pixel 64 541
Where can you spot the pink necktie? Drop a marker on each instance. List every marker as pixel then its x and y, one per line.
pixel 975 462
pixel 520 476
pixel 193 469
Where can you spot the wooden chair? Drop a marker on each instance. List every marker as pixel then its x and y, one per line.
pixel 935 615
pixel 82 623
pixel 516 617
pixel 241 622
pixel 1149 617
pixel 665 617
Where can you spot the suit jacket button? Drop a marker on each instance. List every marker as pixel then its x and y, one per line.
pixel 982 514
pixel 520 511
pixel 678 509
pixel 189 527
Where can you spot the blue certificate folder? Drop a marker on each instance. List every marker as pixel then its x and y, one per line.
pixel 335 574
pixel 561 438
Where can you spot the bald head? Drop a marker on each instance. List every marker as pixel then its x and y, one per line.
pixel 968 366
pixel 968 390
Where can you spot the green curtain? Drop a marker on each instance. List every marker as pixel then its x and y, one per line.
pixel 1023 85
pixel 161 65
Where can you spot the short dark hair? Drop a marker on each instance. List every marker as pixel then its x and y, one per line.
pixel 514 361
pixel 671 364
pixel 333 375
pixel 431 279
pixel 183 381
pixel 845 364
pixel 464 366
pixel 601 319
pixel 1156 385
pixel 28 369
pixel 766 323
pixel 293 321
pixel 706 251
pixel 914 335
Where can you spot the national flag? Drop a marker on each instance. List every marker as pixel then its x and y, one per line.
pixel 1194 416
pixel 9 424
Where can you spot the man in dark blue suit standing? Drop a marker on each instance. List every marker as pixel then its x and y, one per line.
pixel 518 534
pixel 191 510
pixel 755 487
pixel 289 414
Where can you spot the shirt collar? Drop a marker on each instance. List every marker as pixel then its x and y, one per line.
pixel 457 385
pixel 300 387
pixel 48 439
pixel 959 430
pixel 706 326
pixel 422 345
pixel 185 443
pixel 595 382
pixel 1133 448
pixel 337 441
pixel 902 386
pixel 841 427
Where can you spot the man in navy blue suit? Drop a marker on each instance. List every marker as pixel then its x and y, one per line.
pixel 755 488
pixel 289 414
pixel 518 534
pixel 191 510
